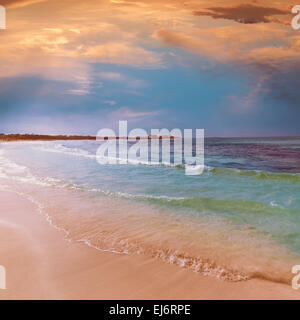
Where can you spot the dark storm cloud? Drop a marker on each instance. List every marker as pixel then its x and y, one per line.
pixel 244 13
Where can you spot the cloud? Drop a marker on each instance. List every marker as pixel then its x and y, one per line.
pixel 123 54
pixel 78 92
pixel 127 81
pixel 110 102
pixel 111 76
pixel 259 44
pixel 266 53
pixel 19 3
pixel 127 113
pixel 244 13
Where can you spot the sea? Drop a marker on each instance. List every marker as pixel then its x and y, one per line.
pixel 237 220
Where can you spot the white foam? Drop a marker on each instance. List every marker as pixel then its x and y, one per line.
pixel 58 148
pixel 273 204
pixel 12 171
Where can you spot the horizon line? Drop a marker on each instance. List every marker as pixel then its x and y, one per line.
pixel 93 136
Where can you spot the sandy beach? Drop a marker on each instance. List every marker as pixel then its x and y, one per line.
pixel 40 264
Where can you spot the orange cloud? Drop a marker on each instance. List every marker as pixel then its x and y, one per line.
pixel 122 53
pixel 251 44
pixel 19 3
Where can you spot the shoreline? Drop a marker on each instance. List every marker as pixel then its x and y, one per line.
pixel 40 264
pixel 44 138
pixel 37 137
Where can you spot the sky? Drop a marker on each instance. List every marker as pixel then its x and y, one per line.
pixel 230 67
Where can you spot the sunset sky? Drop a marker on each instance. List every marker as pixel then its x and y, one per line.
pixel 231 67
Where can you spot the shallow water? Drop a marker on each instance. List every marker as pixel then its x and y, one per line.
pixel 237 220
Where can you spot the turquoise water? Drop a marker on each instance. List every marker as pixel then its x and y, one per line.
pixel 250 187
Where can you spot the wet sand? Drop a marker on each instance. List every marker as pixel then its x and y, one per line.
pixel 41 264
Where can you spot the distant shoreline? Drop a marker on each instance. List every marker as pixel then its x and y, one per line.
pixel 37 137
pixel 40 137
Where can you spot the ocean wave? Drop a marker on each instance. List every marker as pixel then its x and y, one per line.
pixel 129 195
pixel 233 207
pixel 256 174
pixel 59 148
pixel 217 171
pixel 12 171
